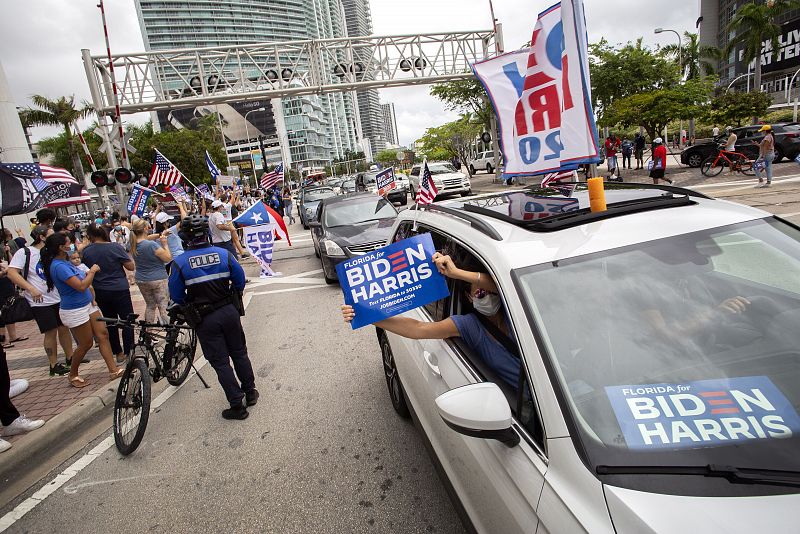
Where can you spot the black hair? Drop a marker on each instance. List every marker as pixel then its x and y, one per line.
pixel 59 225
pixel 93 232
pixel 51 248
pixel 46 216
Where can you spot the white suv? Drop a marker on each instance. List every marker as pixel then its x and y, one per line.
pixel 484 161
pixel 640 374
pixel 447 178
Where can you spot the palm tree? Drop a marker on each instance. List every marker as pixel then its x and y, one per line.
pixel 60 112
pixel 698 60
pixel 755 23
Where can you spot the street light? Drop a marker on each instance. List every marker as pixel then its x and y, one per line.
pixel 680 66
pixel 247 133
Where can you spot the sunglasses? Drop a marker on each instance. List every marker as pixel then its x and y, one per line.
pixel 480 293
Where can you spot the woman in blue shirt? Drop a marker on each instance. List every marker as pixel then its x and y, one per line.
pixel 78 310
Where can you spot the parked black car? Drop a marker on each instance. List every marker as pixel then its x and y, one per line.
pixel 348 226
pixel 787 143
pixel 309 200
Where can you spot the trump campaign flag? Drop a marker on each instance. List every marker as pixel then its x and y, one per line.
pixel 391 280
pixel 26 187
pixel 137 202
pixel 259 240
pixel 260 213
pixel 541 96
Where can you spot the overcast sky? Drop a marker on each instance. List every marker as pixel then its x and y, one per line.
pixel 42 40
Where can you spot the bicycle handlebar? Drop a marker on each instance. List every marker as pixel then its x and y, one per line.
pixel 142 324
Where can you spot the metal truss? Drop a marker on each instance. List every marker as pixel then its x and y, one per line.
pixel 172 79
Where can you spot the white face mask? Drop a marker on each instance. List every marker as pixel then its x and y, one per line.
pixel 488 305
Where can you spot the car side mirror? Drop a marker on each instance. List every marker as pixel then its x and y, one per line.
pixel 479 411
pixel 314 224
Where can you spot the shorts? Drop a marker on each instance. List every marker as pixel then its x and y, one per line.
pixel 639 153
pixel 47 317
pixel 657 174
pixel 78 316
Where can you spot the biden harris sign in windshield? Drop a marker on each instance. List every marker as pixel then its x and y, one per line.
pixel 391 280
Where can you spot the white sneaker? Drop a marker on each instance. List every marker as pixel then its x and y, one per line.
pixel 18 387
pixel 4 445
pixel 22 424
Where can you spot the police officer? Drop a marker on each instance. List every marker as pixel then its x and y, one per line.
pixel 208 283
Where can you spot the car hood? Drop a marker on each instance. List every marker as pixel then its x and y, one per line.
pixel 449 176
pixel 639 512
pixel 367 232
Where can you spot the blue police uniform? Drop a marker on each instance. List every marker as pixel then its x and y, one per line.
pixel 203 276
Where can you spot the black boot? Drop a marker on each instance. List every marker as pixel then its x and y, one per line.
pixel 251 397
pixel 235 412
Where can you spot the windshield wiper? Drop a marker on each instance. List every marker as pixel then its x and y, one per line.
pixel 734 475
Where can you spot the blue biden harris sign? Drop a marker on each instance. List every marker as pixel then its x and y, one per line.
pixel 391 280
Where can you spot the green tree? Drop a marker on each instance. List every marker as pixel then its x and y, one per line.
pixel 698 60
pixel 467 97
pixel 755 23
pixel 60 112
pixel 57 148
pixel 653 110
pixel 632 69
pixel 387 157
pixel 453 139
pixel 733 108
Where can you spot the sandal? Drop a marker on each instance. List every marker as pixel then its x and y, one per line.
pixel 23 338
pixel 114 376
pixel 78 382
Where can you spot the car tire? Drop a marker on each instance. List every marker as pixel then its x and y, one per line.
pixel 778 155
pixel 694 160
pixel 472 170
pixel 396 393
pixel 329 281
pixel 489 168
pixel 466 193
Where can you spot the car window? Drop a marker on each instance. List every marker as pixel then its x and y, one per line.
pixel 318 194
pixel 358 210
pixel 415 171
pixel 705 323
pixel 441 168
pixel 439 309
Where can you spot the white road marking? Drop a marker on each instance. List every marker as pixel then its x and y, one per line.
pixel 72 489
pixel 287 290
pixel 284 280
pixel 750 181
pixel 784 215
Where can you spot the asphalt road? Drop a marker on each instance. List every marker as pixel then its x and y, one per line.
pixel 323 450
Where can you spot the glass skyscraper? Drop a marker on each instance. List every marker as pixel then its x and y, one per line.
pixel 319 128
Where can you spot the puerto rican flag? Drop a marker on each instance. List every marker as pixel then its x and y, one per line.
pixel 260 213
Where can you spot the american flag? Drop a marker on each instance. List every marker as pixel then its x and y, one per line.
pixel 164 172
pixel 558 176
pixel 269 179
pixel 427 189
pixel 46 175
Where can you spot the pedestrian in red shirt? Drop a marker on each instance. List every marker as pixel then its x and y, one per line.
pixel 659 161
pixel 612 145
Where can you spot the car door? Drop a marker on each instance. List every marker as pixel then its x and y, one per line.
pixel 317 231
pixel 497 485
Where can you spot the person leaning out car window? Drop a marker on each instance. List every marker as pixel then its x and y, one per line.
pixel 486 331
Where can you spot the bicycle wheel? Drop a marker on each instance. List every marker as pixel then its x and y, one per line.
pixel 746 167
pixel 132 406
pixel 708 167
pixel 185 345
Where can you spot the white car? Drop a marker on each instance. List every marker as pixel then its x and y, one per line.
pixel 641 374
pixel 447 178
pixel 484 161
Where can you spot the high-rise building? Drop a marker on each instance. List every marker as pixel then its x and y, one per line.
pixel 777 67
pixel 390 124
pixel 358 18
pixel 318 128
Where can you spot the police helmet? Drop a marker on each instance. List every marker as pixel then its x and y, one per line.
pixel 194 226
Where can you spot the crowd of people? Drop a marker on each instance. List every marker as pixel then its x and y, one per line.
pixel 71 276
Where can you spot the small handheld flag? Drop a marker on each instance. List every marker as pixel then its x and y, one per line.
pixel 260 213
pixel 211 167
pixel 427 188
pixel 164 172
pixel 271 178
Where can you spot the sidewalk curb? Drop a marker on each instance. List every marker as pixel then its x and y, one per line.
pixel 64 426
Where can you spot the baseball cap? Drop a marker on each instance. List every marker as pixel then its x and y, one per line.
pixel 765 128
pixel 162 217
pixel 658 140
pixel 216 204
pixel 39 231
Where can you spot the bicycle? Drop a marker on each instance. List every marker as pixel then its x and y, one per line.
pixel 174 362
pixel 736 161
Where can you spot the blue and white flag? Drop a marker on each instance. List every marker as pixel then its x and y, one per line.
pixel 259 241
pixel 138 200
pixel 211 167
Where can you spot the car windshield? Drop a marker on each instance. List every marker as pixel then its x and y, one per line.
pixel 318 194
pixel 441 168
pixel 358 210
pixel 681 351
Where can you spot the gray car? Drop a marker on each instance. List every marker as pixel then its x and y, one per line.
pixel 309 201
pixel 350 225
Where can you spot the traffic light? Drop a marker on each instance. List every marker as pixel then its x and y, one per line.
pixel 143 180
pixel 125 176
pixel 99 178
pixel 486 137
